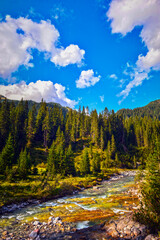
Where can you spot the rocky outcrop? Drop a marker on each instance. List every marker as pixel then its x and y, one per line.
pixel 126 228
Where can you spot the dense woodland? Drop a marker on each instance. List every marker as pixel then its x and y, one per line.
pixel 151 110
pixel 79 143
pixel 100 140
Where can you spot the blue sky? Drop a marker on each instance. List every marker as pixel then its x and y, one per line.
pixel 94 53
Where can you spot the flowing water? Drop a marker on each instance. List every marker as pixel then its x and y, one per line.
pixel 85 208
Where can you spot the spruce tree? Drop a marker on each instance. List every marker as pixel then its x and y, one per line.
pixel 95 163
pixel 52 163
pixel 85 164
pixel 102 138
pixel 150 190
pixel 31 126
pixel 70 167
pixel 46 129
pixel 24 164
pixel 113 146
pixel 7 155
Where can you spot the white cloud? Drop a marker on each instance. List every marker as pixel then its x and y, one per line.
pixel 113 76
pixel 102 98
pixel 137 81
pixel 70 55
pixel 87 79
pixel 36 91
pixel 19 36
pixel 127 14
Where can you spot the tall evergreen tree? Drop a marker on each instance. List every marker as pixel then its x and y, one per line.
pixel 24 164
pixel 85 163
pixel 102 138
pixel 31 126
pixel 70 167
pixel 46 128
pixel 52 163
pixel 7 155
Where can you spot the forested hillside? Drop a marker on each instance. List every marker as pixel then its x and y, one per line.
pixel 151 110
pixel 72 142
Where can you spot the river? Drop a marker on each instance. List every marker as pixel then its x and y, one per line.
pixel 85 208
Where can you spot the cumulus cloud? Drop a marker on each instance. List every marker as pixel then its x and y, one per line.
pixel 70 55
pixel 18 38
pixel 36 91
pixel 102 98
pixel 127 14
pixel 113 76
pixel 87 79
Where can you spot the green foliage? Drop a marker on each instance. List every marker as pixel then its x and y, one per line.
pixel 85 163
pixel 24 164
pixel 95 163
pixel 150 190
pixel 7 155
pixel 70 167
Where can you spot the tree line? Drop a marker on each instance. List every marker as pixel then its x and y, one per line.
pixel 102 140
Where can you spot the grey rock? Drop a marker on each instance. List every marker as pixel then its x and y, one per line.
pixel 34 234
pixel 151 237
pixel 36 223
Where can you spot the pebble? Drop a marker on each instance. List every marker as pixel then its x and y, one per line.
pixel 36 223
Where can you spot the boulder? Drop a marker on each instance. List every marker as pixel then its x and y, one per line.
pixel 34 234
pixel 151 237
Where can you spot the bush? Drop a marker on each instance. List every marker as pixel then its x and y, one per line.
pixel 149 212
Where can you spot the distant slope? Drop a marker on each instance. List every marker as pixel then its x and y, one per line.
pixel 31 103
pixel 151 110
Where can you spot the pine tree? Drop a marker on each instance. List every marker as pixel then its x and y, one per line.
pixel 39 121
pixel 150 190
pixel 70 167
pixel 7 155
pixel 85 164
pixel 46 128
pixel 52 163
pixel 116 162
pixel 4 123
pixel 113 146
pixel 94 127
pixel 31 126
pixel 73 129
pixel 24 164
pixel 102 138
pixel 95 163
pixel 108 155
pixel 20 126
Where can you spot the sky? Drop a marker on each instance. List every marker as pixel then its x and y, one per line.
pixel 95 53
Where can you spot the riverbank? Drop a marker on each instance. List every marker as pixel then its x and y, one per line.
pixel 21 194
pixel 54 227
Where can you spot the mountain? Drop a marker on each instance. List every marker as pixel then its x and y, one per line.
pixel 150 110
pixel 31 103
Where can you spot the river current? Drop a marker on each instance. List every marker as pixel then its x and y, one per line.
pixel 85 208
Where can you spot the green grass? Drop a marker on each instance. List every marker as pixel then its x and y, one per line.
pixel 36 188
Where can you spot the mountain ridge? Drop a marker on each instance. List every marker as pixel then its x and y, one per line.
pixel 152 109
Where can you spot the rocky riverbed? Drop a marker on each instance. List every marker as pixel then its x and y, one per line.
pixel 122 228
pixel 58 219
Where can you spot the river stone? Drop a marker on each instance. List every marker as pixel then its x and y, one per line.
pixel 50 220
pixel 36 223
pixel 34 234
pixel 4 233
pixel 37 238
pixel 151 237
pixel 111 229
pixel 136 232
